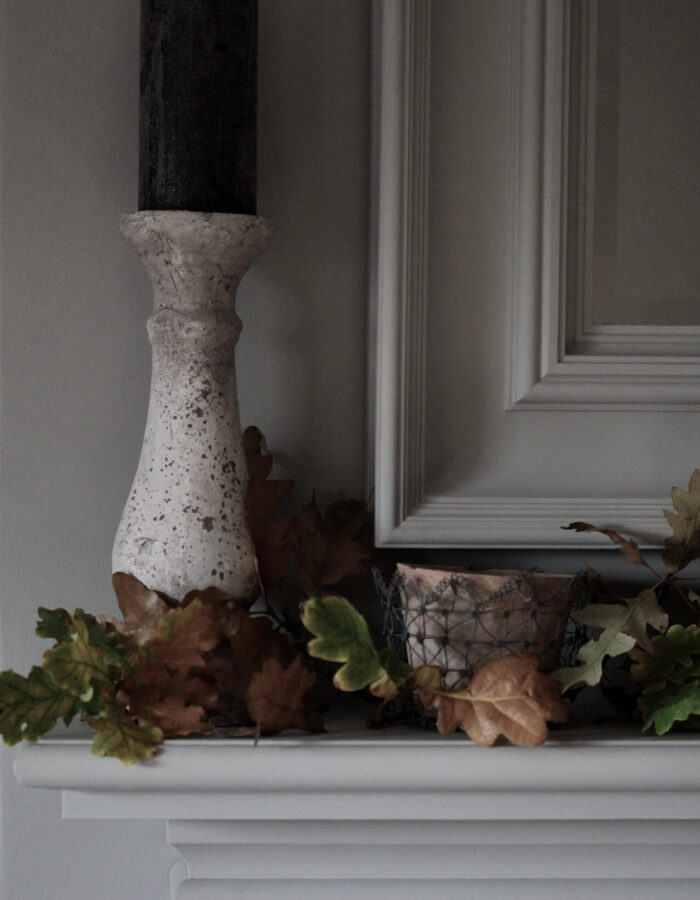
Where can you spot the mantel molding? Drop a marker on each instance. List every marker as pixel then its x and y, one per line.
pixel 400 810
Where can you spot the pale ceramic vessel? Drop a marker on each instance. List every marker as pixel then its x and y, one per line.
pixel 184 525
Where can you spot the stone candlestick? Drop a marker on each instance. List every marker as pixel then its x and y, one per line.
pixel 184 526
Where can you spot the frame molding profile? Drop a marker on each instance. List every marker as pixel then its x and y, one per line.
pixel 556 358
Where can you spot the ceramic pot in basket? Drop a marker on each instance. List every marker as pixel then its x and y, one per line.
pixel 458 619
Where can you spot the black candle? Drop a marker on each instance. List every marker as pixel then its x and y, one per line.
pixel 198 105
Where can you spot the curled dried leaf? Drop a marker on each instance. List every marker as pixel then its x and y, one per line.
pixel 508 696
pixel 627 547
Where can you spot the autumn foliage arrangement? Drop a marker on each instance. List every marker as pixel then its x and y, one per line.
pixel 664 657
pixel 206 663
pixel 167 668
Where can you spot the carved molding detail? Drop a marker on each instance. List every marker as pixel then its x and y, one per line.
pixel 541 375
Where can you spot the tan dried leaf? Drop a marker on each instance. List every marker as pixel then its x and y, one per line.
pixel 627 547
pixel 507 696
pixel 276 695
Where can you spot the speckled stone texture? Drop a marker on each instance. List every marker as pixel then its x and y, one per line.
pixel 183 526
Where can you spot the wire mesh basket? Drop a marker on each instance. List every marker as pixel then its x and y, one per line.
pixel 458 619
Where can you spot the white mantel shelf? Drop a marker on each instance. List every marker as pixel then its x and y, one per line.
pixel 403 812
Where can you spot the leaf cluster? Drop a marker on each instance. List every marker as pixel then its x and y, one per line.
pixel 507 696
pixel 669 676
pixel 624 626
pixel 79 677
pixel 157 673
pixel 325 547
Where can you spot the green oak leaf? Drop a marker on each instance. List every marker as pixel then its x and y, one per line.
pixel 30 706
pixel 684 545
pixel 674 656
pixel 90 656
pixel 54 624
pixel 124 737
pixel 342 635
pixel 676 704
pixel 624 625
pixel 670 679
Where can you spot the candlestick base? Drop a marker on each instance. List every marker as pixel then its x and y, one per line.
pixel 183 526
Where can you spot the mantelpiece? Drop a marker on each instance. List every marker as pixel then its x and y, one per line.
pixel 402 813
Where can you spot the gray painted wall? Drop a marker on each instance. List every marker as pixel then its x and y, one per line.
pixel 75 361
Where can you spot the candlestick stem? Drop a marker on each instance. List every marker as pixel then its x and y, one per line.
pixel 184 525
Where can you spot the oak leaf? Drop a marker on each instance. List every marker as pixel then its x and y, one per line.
pixel 183 636
pixel 670 677
pixel 327 552
pixel 508 696
pixel 91 656
pixel 256 641
pixel 623 625
pixel 177 707
pixel 268 529
pixel 30 706
pixel 170 686
pixel 679 703
pixel 672 657
pixel 684 546
pixel 627 547
pixel 124 737
pixel 342 635
pixel 276 695
pixel 141 608
pixel 225 613
pixel 54 624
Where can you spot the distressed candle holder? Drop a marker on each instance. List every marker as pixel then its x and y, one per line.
pixel 183 526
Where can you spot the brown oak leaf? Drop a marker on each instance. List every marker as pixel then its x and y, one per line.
pixel 142 609
pixel 176 706
pixel 183 637
pixel 507 696
pixel 276 695
pixel 627 547
pixel 171 687
pixel 255 642
pixel 327 552
pixel 268 529
pixel 226 614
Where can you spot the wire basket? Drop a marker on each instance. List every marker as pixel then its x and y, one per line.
pixel 458 619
